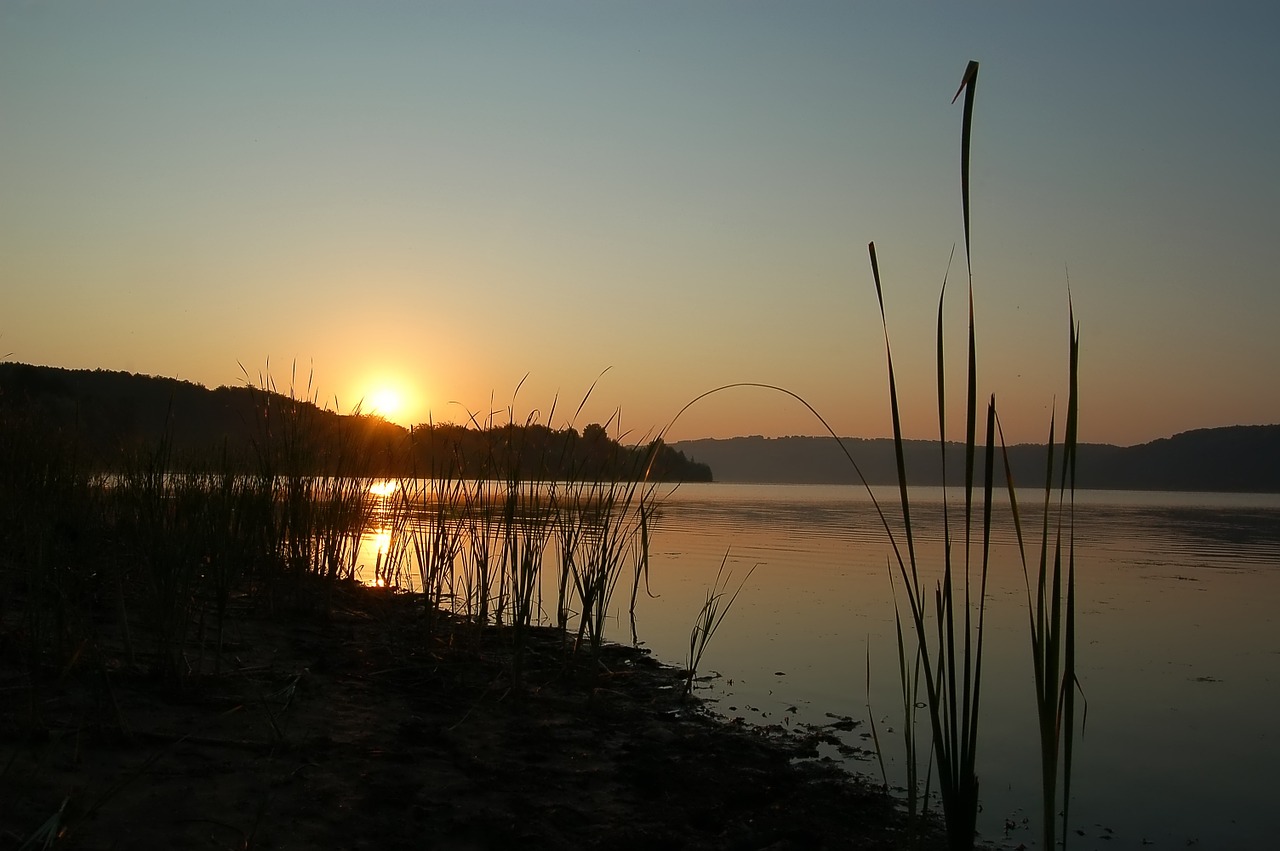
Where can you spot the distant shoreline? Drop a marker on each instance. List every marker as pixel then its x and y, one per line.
pixel 1231 459
pixel 114 409
pixel 1249 498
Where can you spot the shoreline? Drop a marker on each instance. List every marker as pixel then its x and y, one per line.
pixel 362 728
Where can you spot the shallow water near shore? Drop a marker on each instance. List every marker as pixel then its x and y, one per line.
pixel 1178 648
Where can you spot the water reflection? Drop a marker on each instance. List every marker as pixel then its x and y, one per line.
pixel 1179 640
pixel 384 488
pixel 374 555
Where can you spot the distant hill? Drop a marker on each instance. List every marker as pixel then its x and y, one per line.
pixel 110 414
pixel 107 418
pixel 1234 458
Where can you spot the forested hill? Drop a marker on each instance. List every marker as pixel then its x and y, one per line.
pixel 1234 458
pixel 108 419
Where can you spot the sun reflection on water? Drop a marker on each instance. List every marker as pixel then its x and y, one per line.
pixel 380 540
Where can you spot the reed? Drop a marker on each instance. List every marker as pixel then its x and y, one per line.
pixel 948 628
pixel 314 493
pixel 529 520
pixel 952 651
pixel 569 523
pixel 437 534
pixel 1052 610
pixel 529 536
pixel 949 633
pixel 569 514
pixel 640 558
pixel 484 534
pixel 610 517
pixel 714 609
pixel 909 673
pixel 481 542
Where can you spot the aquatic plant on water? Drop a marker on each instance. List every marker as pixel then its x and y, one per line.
pixel 709 617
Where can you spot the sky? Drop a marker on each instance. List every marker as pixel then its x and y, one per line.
pixel 489 208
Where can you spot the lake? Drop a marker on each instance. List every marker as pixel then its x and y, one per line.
pixel 1178 647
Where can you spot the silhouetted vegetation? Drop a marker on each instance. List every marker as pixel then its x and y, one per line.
pixel 112 415
pixel 145 508
pixel 149 592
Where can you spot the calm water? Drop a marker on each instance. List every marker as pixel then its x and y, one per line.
pixel 1178 649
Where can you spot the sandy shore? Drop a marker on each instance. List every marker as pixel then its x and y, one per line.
pixel 362 728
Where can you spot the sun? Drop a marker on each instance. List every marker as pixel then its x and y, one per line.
pixel 385 402
pixel 390 395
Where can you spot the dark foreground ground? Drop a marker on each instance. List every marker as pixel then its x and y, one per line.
pixel 362 729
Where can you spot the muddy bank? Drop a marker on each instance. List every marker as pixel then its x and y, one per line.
pixel 365 728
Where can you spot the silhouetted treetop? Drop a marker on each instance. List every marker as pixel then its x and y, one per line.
pixel 110 416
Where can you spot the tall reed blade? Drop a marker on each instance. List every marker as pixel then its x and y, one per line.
pixel 950 642
pixel 968 85
pixel 1053 629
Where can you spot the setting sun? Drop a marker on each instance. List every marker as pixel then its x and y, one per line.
pixel 386 402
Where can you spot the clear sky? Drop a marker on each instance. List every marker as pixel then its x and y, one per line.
pixel 437 199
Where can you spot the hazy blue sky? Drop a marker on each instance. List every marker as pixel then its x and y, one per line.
pixel 443 197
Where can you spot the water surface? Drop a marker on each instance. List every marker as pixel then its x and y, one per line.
pixel 1178 650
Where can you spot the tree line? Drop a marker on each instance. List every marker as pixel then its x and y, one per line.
pixel 110 417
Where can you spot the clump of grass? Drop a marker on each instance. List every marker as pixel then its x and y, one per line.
pixel 528 520
pixel 314 496
pixel 1052 612
pixel 948 625
pixel 909 688
pixel 569 532
pixel 436 535
pixel 952 659
pixel 482 528
pixel 610 521
pixel 709 617
pixel 951 646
